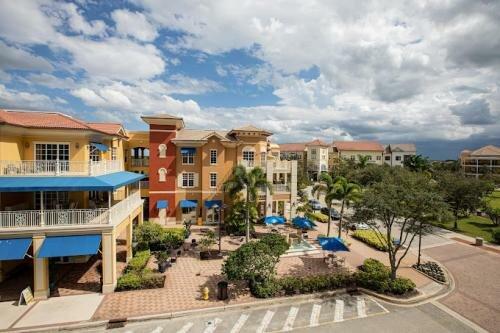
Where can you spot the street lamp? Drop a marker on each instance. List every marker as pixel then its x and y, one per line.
pixel 218 208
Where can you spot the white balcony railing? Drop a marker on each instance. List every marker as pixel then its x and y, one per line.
pixel 70 217
pixel 247 163
pixel 282 165
pixel 281 188
pixel 59 168
pixel 139 162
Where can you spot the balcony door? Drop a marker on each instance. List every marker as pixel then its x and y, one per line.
pixel 53 152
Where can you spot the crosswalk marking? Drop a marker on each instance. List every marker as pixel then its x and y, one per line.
pixel 265 321
pixel 212 326
pixel 239 324
pixel 314 320
pixel 157 330
pixel 185 328
pixel 292 314
pixel 361 307
pixel 339 311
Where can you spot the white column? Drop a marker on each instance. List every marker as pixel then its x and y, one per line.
pixel 108 262
pixel 109 206
pixel 40 271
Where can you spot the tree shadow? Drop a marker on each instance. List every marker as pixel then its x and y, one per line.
pixel 235 289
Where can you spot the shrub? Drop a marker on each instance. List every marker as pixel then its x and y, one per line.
pixel 401 286
pixel 252 261
pixel 276 243
pixel 208 240
pixel 140 280
pixel 173 238
pixel 317 216
pixel 309 284
pixel 148 235
pixel 264 289
pixel 496 236
pixel 373 275
pixel 129 281
pixel 370 238
pixel 138 262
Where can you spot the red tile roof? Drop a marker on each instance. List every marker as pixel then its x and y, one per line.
pixel 290 147
pixel 55 120
pixel 358 145
pixel 317 142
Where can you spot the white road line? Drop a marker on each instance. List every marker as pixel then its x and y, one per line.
pixel 239 324
pixel 361 306
pixel 185 328
pixel 314 320
pixel 157 330
pixel 212 326
pixel 290 319
pixel 380 305
pixel 265 321
pixel 339 311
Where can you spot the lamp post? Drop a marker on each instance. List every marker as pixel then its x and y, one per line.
pixel 219 209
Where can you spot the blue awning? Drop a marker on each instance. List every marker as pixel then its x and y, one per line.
pixel 66 246
pixel 108 182
pixel 14 248
pixel 333 244
pixel 189 203
pixel 162 204
pixel 210 203
pixel 187 150
pixel 100 146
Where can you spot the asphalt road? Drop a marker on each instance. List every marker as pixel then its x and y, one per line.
pixel 341 313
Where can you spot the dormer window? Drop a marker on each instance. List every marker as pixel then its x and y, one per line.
pixel 162 150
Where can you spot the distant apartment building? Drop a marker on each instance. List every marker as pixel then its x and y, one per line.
pixel 312 157
pixel 351 150
pixel 482 161
pixel 188 167
pixel 396 154
pixel 65 197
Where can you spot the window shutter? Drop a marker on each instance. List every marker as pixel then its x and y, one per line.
pixel 196 180
pixel 179 180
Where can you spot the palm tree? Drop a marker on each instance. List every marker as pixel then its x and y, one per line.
pixel 363 160
pixel 417 163
pixel 250 182
pixel 345 192
pixel 326 187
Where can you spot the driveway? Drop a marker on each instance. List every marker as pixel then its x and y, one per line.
pixel 476 274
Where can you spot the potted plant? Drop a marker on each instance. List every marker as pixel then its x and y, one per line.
pixel 162 261
pixel 206 243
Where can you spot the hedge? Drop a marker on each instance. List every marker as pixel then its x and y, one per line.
pixel 317 216
pixel 375 276
pixel 142 280
pixel 370 238
pixel 153 236
pixel 138 262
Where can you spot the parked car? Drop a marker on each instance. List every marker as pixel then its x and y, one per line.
pixel 333 213
pixel 360 226
pixel 315 205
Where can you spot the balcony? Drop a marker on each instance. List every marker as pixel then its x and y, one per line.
pixel 139 162
pixel 60 168
pixel 280 188
pixel 38 219
pixel 283 166
pixel 144 184
pixel 247 163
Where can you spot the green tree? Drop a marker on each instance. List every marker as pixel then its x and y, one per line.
pixel 347 193
pixel 493 213
pixel 363 161
pixel 326 186
pixel 399 205
pixel 235 222
pixel 462 194
pixel 417 163
pixel 250 182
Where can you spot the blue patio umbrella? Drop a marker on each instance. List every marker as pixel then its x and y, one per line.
pixel 274 220
pixel 333 244
pixel 303 223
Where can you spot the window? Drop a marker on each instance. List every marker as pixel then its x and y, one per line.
pixel 188 179
pixel 52 200
pixel 398 158
pixel 379 158
pixel 249 157
pixel 188 157
pixel 353 157
pixel 113 153
pixel 213 179
pixel 52 151
pixel 368 157
pixel 162 175
pixel 387 158
pixel 313 153
pixel 263 158
pixel 213 156
pixel 162 150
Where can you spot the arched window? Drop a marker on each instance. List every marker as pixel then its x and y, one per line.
pixel 162 174
pixel 162 150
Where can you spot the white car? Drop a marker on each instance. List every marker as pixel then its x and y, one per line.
pixel 360 226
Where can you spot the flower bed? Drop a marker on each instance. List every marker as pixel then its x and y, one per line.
pixel 432 270
pixel 370 238
pixel 317 216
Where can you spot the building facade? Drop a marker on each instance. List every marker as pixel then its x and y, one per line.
pixel 351 150
pixel 482 161
pixel 187 170
pixel 395 154
pixel 64 196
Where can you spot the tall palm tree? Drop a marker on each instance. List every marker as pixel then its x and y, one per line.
pixel 345 192
pixel 363 160
pixel 250 182
pixel 326 187
pixel 417 163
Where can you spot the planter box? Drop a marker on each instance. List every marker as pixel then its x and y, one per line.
pixel 209 255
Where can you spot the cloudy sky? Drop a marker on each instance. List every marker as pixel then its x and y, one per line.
pixel 425 71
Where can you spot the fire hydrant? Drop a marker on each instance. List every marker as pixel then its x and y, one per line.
pixel 205 294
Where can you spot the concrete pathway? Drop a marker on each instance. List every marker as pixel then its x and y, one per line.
pixel 55 310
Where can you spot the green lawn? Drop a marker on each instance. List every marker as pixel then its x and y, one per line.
pixel 474 226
